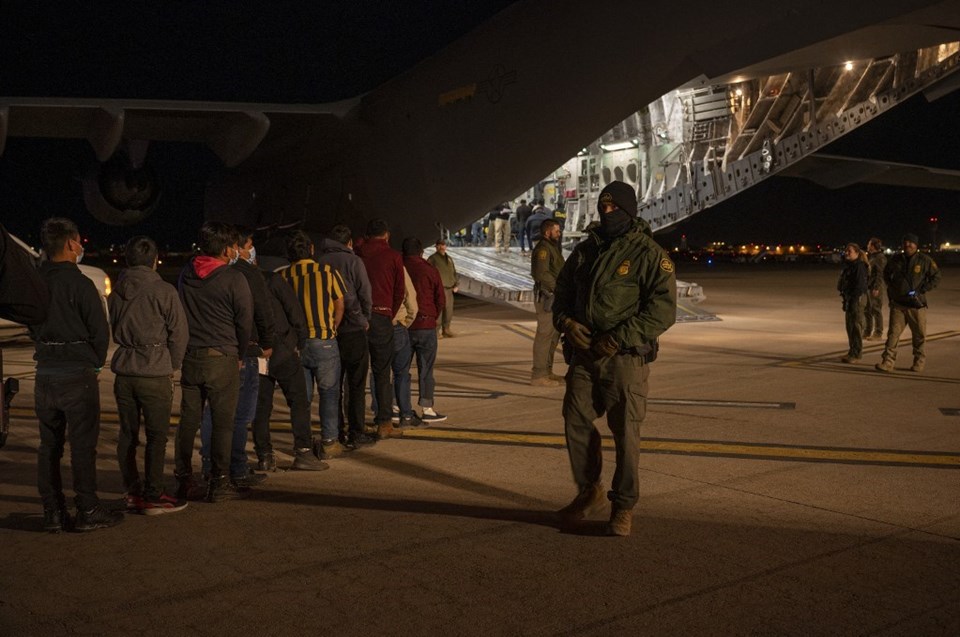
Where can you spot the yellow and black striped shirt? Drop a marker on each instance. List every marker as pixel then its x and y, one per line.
pixel 317 287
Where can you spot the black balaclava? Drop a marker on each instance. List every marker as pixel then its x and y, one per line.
pixel 615 223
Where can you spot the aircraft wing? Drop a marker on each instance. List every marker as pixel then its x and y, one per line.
pixel 231 130
pixel 834 171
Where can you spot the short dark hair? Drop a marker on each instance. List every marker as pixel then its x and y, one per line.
pixel 55 233
pixel 523 201
pixel 215 237
pixel 875 242
pixel 299 246
pixel 377 227
pixel 412 246
pixel 244 233
pixel 341 234
pixel 441 240
pixel 546 224
pixel 140 250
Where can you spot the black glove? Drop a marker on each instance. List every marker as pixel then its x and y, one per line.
pixel 605 345
pixel 577 333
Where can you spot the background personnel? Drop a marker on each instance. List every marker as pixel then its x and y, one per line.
pixel 545 265
pixel 615 295
pixel 876 290
pixel 909 276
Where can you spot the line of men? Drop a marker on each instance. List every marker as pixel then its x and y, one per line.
pixel 235 332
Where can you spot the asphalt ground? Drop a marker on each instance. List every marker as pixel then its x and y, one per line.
pixel 783 492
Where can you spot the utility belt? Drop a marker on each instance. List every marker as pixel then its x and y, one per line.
pixel 647 352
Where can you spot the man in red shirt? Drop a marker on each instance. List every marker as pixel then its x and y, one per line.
pixel 423 330
pixel 385 269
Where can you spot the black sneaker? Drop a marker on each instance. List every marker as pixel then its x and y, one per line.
pixel 362 440
pixel 430 415
pixel 412 422
pixel 220 489
pixel 267 462
pixel 252 479
pixel 306 460
pixel 97 518
pixel 189 489
pixel 56 520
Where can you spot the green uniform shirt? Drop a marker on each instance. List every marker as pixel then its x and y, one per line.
pixel 448 271
pixel 545 264
pixel 626 287
pixel 918 273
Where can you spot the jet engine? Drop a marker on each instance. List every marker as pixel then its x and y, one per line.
pixel 120 193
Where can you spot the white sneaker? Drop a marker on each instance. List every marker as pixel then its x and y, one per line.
pixel 429 415
pixel 396 414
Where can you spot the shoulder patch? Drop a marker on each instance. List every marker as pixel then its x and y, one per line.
pixel 666 264
pixel 542 255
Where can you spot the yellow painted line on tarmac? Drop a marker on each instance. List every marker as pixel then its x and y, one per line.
pixel 706 448
pixel 709 448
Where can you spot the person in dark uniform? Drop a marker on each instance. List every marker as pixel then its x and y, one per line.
pixel 852 286
pixel 524 210
pixel 545 265
pixel 876 289
pixel 615 295
pixel 909 275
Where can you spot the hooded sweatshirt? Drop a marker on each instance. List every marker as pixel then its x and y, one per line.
pixel 149 324
pixel 218 305
pixel 357 300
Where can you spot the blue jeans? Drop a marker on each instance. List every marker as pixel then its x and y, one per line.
pixel 321 367
pixel 402 356
pixel 424 344
pixel 243 417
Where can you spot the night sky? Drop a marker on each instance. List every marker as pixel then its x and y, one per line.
pixel 295 51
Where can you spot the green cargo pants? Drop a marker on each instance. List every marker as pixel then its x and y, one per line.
pixel 615 386
pixel 900 318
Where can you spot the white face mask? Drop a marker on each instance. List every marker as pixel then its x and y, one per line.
pixel 252 259
pixel 235 257
pixel 79 254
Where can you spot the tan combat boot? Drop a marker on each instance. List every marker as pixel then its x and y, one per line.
pixel 918 365
pixel 886 365
pixel 587 500
pixel 620 522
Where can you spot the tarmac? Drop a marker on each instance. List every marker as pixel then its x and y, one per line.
pixel 783 493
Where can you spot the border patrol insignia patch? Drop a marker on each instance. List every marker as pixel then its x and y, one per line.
pixel 916 269
pixel 666 264
pixel 624 268
pixel 542 255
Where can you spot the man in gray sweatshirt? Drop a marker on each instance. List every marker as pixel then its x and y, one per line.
pixel 150 328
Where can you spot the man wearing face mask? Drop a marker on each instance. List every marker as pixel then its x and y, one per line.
pixel 615 295
pixel 260 345
pixel 545 265
pixel 219 309
pixel 71 349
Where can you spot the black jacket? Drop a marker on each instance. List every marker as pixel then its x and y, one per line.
pixel 75 335
pixel 290 324
pixel 852 283
pixel 263 327
pixel 218 304
pixel 904 274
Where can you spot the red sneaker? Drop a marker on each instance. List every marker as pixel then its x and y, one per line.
pixel 163 503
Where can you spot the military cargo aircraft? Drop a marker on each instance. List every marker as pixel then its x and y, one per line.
pixel 493 112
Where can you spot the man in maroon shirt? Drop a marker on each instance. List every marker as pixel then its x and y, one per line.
pixel 385 269
pixel 423 330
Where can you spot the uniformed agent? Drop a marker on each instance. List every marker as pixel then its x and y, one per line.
pixel 909 275
pixel 876 290
pixel 615 295
pixel 545 264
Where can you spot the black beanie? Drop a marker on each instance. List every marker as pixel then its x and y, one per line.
pixel 912 238
pixel 624 196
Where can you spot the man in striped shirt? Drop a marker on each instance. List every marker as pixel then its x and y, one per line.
pixel 320 290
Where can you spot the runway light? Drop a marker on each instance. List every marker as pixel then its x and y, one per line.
pixel 848 66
